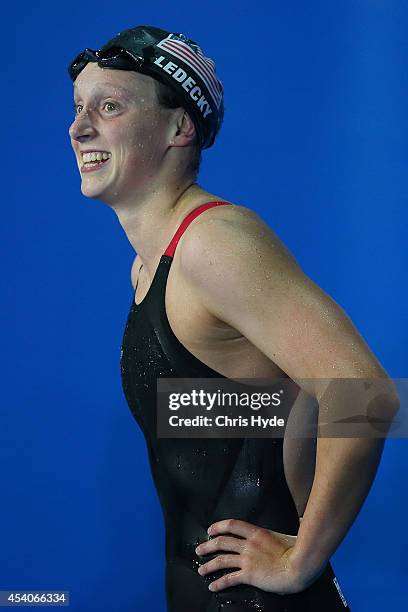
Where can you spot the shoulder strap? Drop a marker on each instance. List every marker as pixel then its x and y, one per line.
pixel 186 222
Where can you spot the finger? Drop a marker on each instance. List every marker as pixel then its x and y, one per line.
pixel 220 543
pixel 220 562
pixel 231 579
pixel 235 526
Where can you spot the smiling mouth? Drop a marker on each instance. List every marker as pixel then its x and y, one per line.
pixel 94 156
pixel 93 165
pixel 96 162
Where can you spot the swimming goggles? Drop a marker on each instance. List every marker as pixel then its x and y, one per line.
pixel 115 57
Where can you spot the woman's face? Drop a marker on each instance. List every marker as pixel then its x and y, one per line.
pixel 117 113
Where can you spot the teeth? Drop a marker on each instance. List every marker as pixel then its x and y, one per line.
pixel 95 156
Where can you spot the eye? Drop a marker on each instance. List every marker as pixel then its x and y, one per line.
pixel 76 107
pixel 111 103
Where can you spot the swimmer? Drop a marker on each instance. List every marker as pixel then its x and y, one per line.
pixel 217 294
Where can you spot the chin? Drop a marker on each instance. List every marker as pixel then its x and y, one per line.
pixel 93 193
pixel 92 184
pixel 102 195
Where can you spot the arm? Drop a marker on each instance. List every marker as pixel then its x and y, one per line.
pixel 345 470
pixel 245 276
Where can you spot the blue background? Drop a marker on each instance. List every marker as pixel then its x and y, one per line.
pixel 315 140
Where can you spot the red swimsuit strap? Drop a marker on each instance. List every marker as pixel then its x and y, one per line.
pixel 185 223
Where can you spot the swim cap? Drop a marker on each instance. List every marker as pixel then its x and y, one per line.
pixel 173 59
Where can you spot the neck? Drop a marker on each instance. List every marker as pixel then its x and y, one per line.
pixel 150 222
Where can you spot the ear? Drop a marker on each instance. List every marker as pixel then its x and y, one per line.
pixel 185 133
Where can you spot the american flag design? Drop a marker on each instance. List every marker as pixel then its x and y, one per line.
pixel 191 54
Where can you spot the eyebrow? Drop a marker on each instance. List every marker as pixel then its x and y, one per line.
pixel 102 87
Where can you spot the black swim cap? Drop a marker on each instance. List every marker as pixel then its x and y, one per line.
pixel 173 59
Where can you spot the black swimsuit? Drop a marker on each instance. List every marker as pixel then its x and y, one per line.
pixel 200 481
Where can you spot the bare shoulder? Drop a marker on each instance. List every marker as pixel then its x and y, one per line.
pixel 231 233
pixel 244 275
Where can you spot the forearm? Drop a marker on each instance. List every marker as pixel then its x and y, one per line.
pixel 345 470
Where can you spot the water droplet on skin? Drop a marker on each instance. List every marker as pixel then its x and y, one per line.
pixel 196 564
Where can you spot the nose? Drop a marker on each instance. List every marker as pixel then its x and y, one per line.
pixel 82 127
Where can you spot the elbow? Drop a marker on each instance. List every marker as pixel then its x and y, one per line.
pixel 391 398
pixel 385 405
